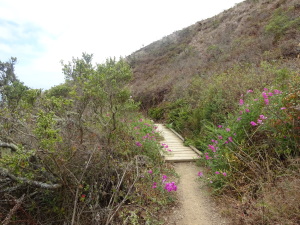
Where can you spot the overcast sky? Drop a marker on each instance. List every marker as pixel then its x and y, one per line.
pixel 40 33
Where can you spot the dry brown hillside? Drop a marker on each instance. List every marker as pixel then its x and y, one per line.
pixel 250 32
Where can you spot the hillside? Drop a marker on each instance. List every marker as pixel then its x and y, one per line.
pixel 83 152
pixel 248 33
pixel 231 86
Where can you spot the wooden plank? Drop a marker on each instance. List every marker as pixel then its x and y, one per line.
pixel 187 152
pixel 180 159
pixel 181 156
pixel 178 146
pixel 180 152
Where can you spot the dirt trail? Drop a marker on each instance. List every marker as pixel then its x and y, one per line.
pixel 195 207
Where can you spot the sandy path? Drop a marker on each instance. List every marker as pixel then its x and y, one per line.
pixel 195 207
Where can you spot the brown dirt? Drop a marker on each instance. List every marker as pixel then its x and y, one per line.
pixel 195 207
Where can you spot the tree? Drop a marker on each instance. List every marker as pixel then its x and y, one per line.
pixel 7 75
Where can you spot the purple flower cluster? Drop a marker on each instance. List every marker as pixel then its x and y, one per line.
pixel 224 173
pixel 138 144
pixel 259 121
pixel 171 187
pixel 166 147
pixel 267 94
pixel 164 178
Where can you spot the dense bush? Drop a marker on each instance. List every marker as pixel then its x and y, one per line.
pixel 79 153
pixel 246 123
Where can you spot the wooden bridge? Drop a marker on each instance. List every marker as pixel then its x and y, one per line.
pixel 173 149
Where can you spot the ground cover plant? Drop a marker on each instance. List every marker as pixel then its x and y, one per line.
pixel 239 70
pixel 246 123
pixel 79 153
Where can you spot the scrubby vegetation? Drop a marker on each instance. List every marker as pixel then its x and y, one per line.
pixel 233 92
pixel 251 32
pixel 247 124
pixel 82 153
pixel 79 153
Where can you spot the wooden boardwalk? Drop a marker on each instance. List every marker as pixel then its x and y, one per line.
pixel 173 149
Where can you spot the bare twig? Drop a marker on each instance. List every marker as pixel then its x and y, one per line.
pixel 13 147
pixel 10 189
pixel 30 135
pixel 19 201
pixel 77 189
pixel 6 173
pixel 116 209
pixel 118 187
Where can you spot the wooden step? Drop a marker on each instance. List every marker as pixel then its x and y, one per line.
pixel 180 152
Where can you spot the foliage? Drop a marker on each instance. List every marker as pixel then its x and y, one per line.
pixel 280 23
pixel 61 90
pixel 255 144
pixel 80 152
pixel 245 121
pixel 7 74
pixel 174 113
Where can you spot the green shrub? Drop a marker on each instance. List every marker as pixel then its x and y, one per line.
pixel 280 23
pixel 255 139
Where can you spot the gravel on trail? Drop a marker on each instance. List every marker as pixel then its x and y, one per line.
pixel 195 207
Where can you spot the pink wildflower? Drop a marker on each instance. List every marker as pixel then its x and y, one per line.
pixel 230 139
pixel 262 117
pixel 220 137
pixel 249 91
pixel 239 118
pixel 282 108
pixel 259 121
pixel 264 94
pixel 207 157
pixel 154 185
pixel 247 110
pixel 164 178
pixel 214 141
pixel 219 126
pixel 224 174
pixel 253 123
pixel 241 102
pixel 217 172
pixel 276 92
pixel 138 144
pixel 150 171
pixel 212 148
pixel 171 186
pixel 200 174
pixel 270 94
pixel 266 101
pixel 227 129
